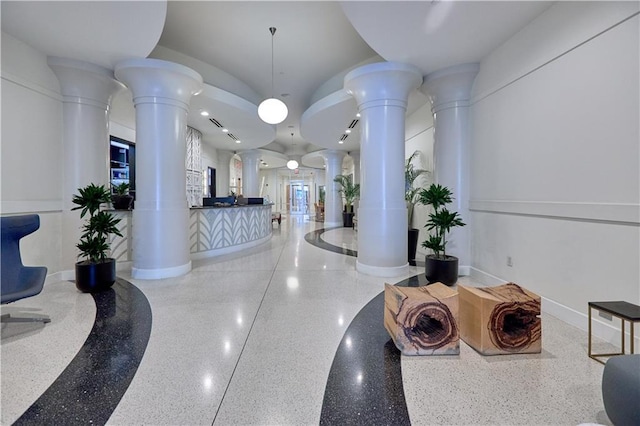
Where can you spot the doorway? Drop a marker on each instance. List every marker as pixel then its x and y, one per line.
pixel 299 197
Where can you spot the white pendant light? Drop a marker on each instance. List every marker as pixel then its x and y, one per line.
pixel 272 110
pixel 292 164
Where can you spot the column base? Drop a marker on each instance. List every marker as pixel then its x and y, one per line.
pixel 380 271
pixel 156 274
pixel 332 224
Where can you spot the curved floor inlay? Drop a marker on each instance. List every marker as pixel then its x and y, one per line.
pixel 314 239
pixel 93 383
pixel 365 380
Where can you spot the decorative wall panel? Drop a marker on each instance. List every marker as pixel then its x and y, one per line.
pixel 193 163
pixel 121 246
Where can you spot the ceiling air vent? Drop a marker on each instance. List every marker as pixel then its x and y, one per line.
pixel 216 122
pixel 353 123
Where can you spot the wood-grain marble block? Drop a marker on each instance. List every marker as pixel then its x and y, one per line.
pixel 422 320
pixel 500 320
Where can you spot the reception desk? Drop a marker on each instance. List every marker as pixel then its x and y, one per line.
pixel 213 231
pixel 219 230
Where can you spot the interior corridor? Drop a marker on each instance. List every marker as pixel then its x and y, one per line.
pixel 255 337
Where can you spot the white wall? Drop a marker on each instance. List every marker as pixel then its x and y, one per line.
pixel 31 150
pixel 555 173
pixel 270 187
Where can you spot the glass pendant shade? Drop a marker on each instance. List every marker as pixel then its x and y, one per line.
pixel 292 164
pixel 272 111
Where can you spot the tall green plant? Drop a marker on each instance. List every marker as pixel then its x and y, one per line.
pixel 411 174
pixel 94 241
pixel 441 220
pixel 350 191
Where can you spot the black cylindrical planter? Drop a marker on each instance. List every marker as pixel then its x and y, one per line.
pixel 95 277
pixel 412 245
pixel 122 202
pixel 441 270
pixel 347 220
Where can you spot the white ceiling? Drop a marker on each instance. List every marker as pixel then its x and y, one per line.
pixel 229 43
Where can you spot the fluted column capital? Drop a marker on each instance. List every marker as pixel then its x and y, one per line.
pixel 249 155
pixel 84 83
pixel 450 87
pixel 158 81
pixel 382 84
pixel 333 155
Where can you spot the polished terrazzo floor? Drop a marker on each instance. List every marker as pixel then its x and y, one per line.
pixel 285 333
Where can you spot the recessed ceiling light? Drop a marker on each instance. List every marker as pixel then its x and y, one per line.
pixel 225 130
pixel 358 115
pixel 204 113
pixel 340 142
pixel 238 141
pixel 347 131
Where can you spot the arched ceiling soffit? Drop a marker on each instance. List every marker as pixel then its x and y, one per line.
pixel 233 113
pixel 438 34
pixel 84 30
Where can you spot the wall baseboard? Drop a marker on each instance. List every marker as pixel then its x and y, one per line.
pixel 602 328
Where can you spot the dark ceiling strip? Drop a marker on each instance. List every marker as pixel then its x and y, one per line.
pixel 90 388
pixel 216 122
pixel 365 385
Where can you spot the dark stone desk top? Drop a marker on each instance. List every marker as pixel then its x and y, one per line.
pixel 625 310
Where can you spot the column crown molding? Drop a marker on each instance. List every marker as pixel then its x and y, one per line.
pixel 333 154
pixel 450 87
pixel 250 154
pixel 83 82
pixel 155 80
pixel 388 83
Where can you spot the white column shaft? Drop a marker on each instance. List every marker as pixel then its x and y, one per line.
pixel 250 173
pixel 449 91
pixel 161 92
pixel 355 156
pixel 333 197
pixel 87 90
pixel 381 91
pixel 223 173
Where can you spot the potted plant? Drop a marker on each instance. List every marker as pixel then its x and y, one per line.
pixel 411 173
pixel 439 267
pixel 121 199
pixel 96 272
pixel 350 192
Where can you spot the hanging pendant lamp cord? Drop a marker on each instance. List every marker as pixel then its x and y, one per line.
pixel 272 30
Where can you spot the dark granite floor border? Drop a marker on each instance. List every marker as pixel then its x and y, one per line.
pixel 364 386
pixel 90 388
pixel 314 238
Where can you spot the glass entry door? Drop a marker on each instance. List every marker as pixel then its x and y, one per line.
pixel 299 198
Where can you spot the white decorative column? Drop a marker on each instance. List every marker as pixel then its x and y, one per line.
pixel 161 93
pixel 87 90
pixel 250 169
pixel 355 156
pixel 333 197
pixel 381 91
pixel 223 172
pixel 449 91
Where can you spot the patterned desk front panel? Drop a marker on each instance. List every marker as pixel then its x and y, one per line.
pixel 217 228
